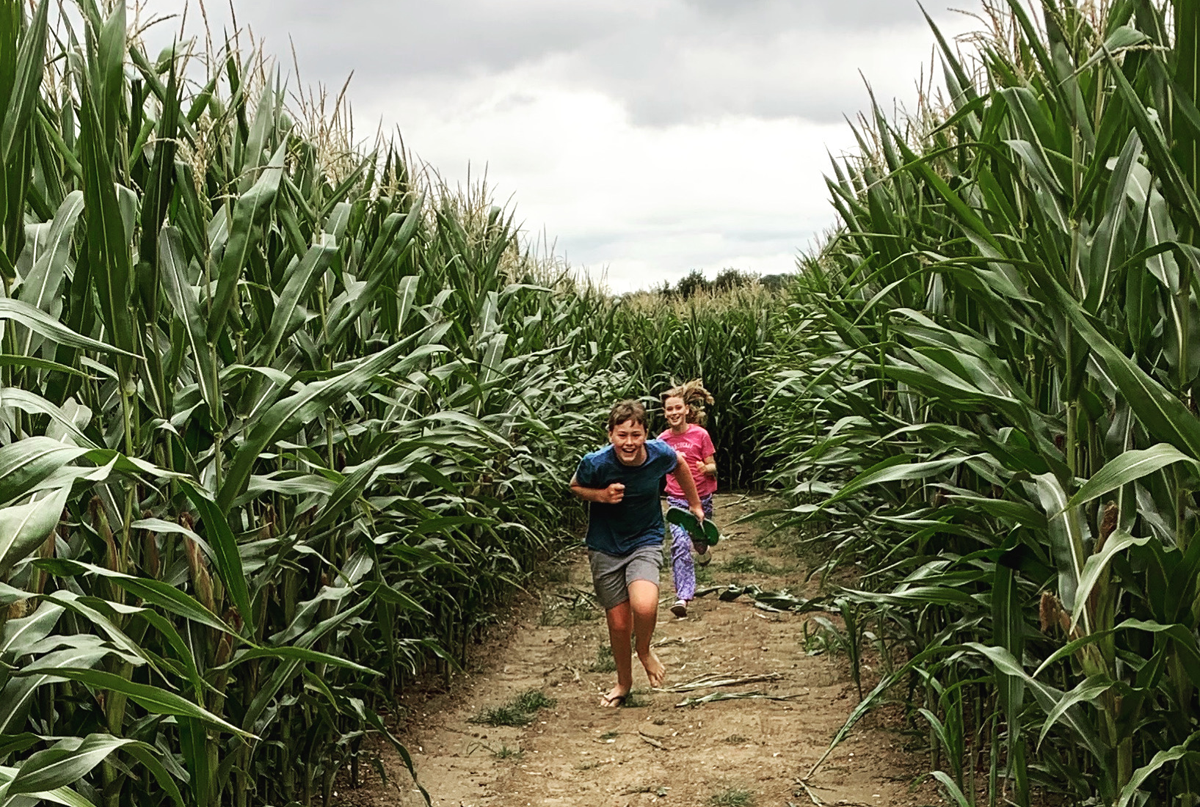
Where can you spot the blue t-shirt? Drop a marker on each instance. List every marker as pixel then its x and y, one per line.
pixel 618 529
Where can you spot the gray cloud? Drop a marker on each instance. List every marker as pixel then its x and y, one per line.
pixel 410 40
pixel 847 15
pixel 714 59
pixel 645 138
pixel 698 80
pixel 667 61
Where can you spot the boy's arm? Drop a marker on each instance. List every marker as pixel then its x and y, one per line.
pixel 683 475
pixel 612 494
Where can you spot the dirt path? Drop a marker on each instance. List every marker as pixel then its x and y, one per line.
pixel 745 752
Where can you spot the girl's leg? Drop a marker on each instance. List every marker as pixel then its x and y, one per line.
pixel 683 569
pixel 643 602
pixel 682 504
pixel 707 504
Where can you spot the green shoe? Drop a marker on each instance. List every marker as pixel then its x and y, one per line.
pixel 706 533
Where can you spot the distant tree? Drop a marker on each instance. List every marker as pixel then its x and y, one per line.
pixel 732 279
pixel 663 289
pixel 775 283
pixel 727 279
pixel 692 284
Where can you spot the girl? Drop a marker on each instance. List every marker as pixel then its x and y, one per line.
pixel 684 410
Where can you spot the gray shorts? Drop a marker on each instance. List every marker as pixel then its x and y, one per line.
pixel 612 574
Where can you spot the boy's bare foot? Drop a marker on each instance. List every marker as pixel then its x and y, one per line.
pixel 655 670
pixel 615 697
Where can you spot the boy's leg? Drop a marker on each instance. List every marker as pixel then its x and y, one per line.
pixel 608 577
pixel 620 631
pixel 643 602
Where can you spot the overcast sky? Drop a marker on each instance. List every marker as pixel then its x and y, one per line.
pixel 645 138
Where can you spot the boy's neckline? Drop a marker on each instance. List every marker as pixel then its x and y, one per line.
pixel 645 458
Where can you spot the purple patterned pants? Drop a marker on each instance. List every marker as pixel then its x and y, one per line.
pixel 683 568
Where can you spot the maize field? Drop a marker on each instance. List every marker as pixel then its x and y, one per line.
pixel 283 423
pixel 986 402
pixel 280 425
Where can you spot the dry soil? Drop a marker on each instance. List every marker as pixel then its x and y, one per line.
pixel 746 751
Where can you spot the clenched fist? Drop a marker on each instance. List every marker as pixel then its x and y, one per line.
pixel 613 494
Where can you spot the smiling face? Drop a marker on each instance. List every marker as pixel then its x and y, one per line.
pixel 628 438
pixel 676 412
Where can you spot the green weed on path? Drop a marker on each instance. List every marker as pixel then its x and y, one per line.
pixel 732 797
pixel 519 711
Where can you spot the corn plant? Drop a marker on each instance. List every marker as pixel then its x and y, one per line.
pixel 719 337
pixel 279 424
pixel 987 397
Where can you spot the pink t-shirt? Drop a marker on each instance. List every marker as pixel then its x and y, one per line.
pixel 695 445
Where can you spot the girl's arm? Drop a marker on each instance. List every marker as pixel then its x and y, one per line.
pixel 707 466
pixel 683 475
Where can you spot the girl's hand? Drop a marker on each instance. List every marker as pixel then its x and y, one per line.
pixel 703 469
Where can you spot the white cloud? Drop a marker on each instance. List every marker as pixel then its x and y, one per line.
pixel 647 203
pixel 647 139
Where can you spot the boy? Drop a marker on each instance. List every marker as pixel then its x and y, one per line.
pixel 625 534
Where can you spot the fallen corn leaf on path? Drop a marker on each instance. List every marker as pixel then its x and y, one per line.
pixel 751 749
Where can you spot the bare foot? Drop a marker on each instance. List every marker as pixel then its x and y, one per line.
pixel 615 697
pixel 655 670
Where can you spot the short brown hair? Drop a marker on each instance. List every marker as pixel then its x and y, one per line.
pixel 628 410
